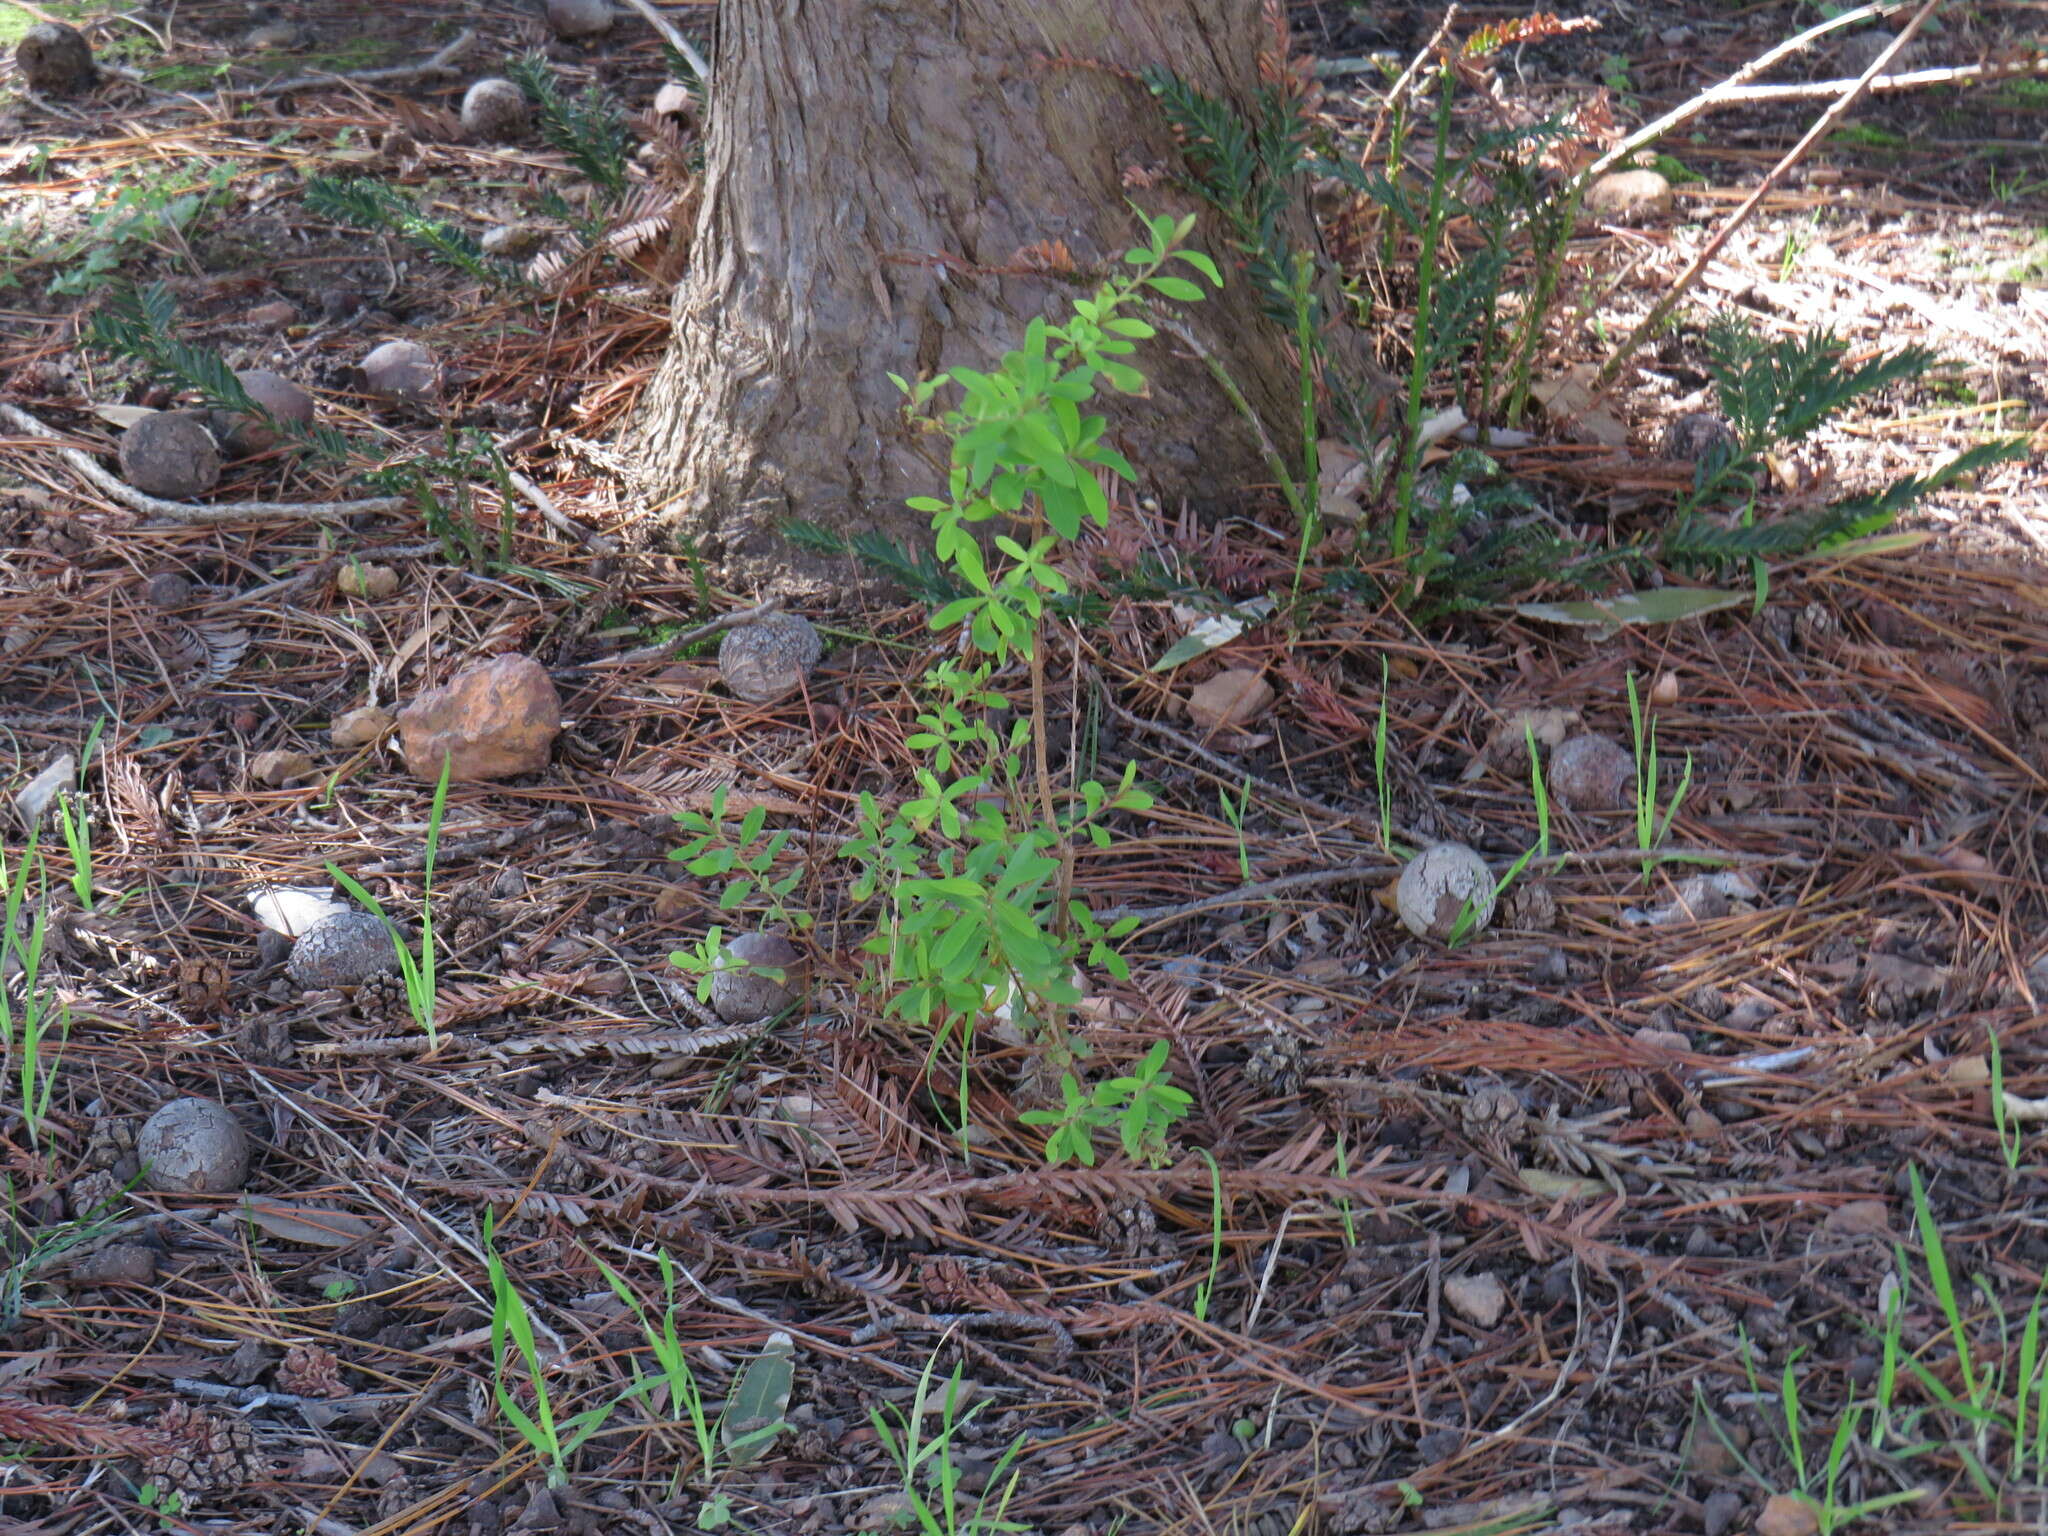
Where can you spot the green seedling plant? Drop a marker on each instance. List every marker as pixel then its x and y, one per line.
pixel 1142 1107
pixel 26 1027
pixel 366 203
pixel 1233 812
pixel 719 847
pixel 588 128
pixel 2011 1136
pixel 929 1470
pixel 1344 1201
pixel 1207 1288
pixel 1468 912
pixel 75 826
pixel 553 1442
pixel 974 871
pixel 685 1395
pixel 417 971
pixel 1651 827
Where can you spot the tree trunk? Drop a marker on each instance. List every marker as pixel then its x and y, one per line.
pixel 878 174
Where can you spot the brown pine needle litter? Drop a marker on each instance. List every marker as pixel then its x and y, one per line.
pixel 1493 1237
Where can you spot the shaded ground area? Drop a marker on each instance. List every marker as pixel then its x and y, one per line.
pixel 1593 1223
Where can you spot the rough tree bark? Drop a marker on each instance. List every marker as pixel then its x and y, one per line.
pixel 871 166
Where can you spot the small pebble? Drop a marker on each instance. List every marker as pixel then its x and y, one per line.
pixel 167 589
pixel 494 109
pixel 578 20
pixel 401 370
pixel 54 58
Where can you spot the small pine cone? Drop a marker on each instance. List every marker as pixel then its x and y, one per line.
pixel 310 1371
pixel 212 1453
pixel 381 1000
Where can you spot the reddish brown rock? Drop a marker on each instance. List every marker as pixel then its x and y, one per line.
pixel 496 719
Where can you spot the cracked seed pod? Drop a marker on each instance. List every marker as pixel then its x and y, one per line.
pixel 1592 773
pixel 54 58
pixel 1435 887
pixel 344 950
pixel 740 995
pixel 769 658
pixel 170 454
pixel 243 435
pixel 193 1147
pixel 494 109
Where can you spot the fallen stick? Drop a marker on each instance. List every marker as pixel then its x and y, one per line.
pixel 559 520
pixel 674 39
pixel 441 63
pixel 187 512
pixel 1661 310
pixel 1912 80
pixel 1718 95
pixel 667 648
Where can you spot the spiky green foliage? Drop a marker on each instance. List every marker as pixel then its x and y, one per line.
pixel 1776 392
pixel 137 323
pixel 367 203
pixel 588 128
pixel 444 486
pixel 916 570
pixel 1244 169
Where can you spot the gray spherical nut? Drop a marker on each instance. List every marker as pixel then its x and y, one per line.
pixel 401 370
pixel 1438 885
pixel 494 109
pixel 344 950
pixel 1592 773
pixel 242 434
pixel 770 658
pixel 193 1147
pixel 167 589
pixel 1693 436
pixel 54 58
pixel 170 454
pixel 579 19
pixel 740 994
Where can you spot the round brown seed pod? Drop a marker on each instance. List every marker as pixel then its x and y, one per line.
pixel 243 435
pixel 170 454
pixel 54 58
pixel 1438 885
pixel 193 1147
pixel 494 109
pixel 1592 773
pixel 740 994
pixel 769 658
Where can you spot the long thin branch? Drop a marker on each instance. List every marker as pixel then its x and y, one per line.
pixel 1728 90
pixel 675 39
pixel 662 650
pixel 1654 320
pixel 187 512
pixel 441 63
